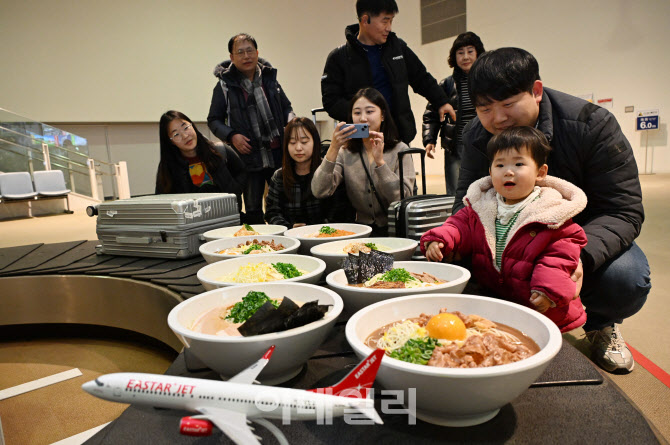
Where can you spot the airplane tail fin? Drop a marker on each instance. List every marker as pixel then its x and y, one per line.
pixel 357 383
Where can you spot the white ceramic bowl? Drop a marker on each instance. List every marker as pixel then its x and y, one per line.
pixel 356 298
pixel 210 274
pixel 457 397
pixel 306 243
pixel 402 249
pixel 228 232
pixel 209 250
pixel 230 355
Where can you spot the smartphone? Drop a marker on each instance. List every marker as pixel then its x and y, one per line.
pixel 362 131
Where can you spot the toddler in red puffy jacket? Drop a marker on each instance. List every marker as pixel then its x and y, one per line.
pixel 517 227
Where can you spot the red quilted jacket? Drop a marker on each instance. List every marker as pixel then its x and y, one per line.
pixel 542 251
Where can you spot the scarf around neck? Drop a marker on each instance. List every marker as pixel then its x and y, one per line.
pixel 260 116
pixel 507 211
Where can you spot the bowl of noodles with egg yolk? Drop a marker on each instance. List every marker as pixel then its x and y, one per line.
pixel 463 355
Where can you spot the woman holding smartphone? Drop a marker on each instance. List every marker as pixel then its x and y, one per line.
pixel 367 166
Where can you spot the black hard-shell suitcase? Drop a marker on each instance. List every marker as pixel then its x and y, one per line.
pixel 413 216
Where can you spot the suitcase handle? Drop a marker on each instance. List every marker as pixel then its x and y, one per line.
pixel 314 111
pixel 134 240
pixel 401 154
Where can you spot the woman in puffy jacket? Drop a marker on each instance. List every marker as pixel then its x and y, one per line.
pixel 465 50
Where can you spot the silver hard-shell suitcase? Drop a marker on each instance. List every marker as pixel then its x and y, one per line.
pixel 163 226
pixel 413 216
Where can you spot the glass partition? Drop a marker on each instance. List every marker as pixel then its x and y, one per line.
pixel 27 145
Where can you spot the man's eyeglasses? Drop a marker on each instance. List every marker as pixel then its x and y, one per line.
pixel 179 136
pixel 249 51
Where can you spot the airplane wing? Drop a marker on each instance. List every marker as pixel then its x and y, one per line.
pixel 232 423
pixel 249 375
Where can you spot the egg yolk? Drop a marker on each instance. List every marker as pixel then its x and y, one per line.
pixel 447 326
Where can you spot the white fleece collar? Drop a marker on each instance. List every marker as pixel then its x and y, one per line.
pixel 560 201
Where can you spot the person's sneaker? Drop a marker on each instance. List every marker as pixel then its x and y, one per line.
pixel 610 351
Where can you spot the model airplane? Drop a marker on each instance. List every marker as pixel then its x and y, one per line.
pixel 233 404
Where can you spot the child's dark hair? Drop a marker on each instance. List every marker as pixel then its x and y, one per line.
pixel 518 137
pixel 501 74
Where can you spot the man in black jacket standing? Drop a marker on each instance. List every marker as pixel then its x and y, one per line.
pixel 589 150
pixel 375 57
pixel 249 111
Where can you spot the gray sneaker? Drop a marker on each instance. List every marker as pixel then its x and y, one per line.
pixel 609 350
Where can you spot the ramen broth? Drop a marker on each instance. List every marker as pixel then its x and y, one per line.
pixel 374 337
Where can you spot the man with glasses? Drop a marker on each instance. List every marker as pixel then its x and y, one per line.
pixel 249 110
pixel 375 57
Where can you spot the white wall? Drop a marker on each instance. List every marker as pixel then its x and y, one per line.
pixel 129 61
pixel 611 48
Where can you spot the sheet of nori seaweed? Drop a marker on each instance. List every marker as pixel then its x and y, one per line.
pixel 366 267
pixel 383 261
pixel 307 313
pixel 350 267
pixel 268 318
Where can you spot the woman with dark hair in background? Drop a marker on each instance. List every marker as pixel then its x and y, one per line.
pixel 369 167
pixel 290 201
pixel 191 163
pixel 465 50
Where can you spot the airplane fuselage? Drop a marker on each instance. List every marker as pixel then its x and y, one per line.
pixel 256 401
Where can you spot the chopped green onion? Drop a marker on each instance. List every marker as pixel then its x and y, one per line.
pixel 396 275
pixel 249 305
pixel 252 248
pixel 287 269
pixel 417 351
pixel 327 230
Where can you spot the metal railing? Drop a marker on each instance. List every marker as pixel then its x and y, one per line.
pixel 28 145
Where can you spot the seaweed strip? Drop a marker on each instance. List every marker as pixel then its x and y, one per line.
pixel 366 267
pixel 382 261
pixel 269 318
pixel 307 313
pixel 350 266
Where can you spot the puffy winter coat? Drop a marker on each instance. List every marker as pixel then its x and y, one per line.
pixel 542 250
pixel 447 128
pixel 589 150
pixel 348 70
pixel 228 113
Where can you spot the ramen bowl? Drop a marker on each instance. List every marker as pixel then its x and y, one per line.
pixel 211 276
pixel 210 250
pixel 229 232
pixel 456 396
pixel 305 234
pixel 230 355
pixel 333 255
pixel 355 298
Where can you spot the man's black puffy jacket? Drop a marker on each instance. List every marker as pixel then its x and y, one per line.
pixel 589 150
pixel 347 70
pixel 447 128
pixel 228 113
